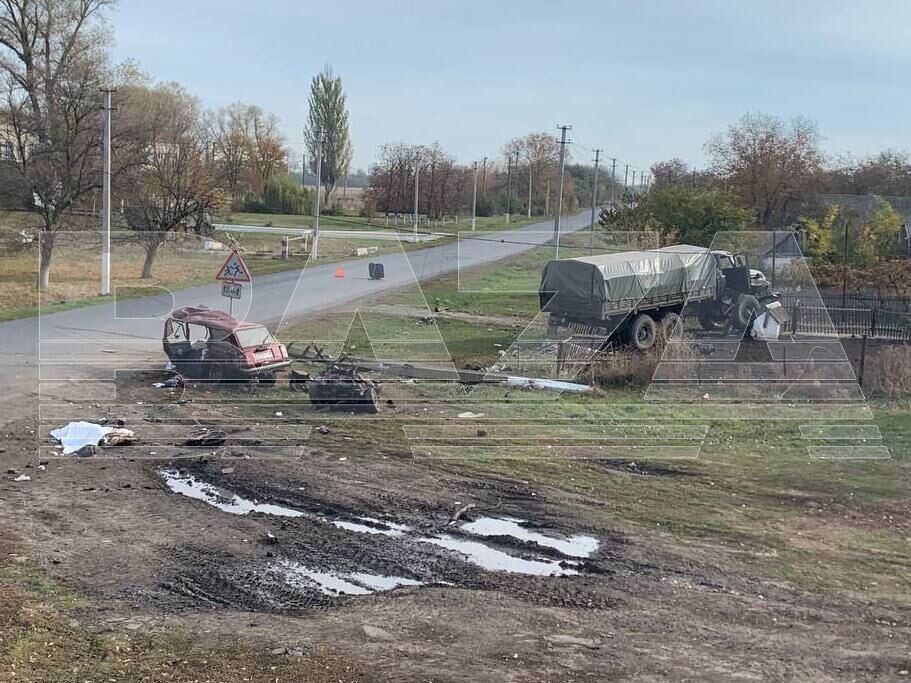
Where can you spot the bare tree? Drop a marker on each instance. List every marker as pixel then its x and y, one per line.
pixel 541 152
pixel 768 163
pixel 52 65
pixel 175 188
pixel 268 153
pixel 229 130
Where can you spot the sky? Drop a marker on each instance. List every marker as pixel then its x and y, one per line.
pixel 644 81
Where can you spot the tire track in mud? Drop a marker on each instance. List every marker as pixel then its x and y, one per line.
pixel 211 579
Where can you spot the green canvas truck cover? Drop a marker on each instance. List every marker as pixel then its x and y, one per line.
pixel 631 276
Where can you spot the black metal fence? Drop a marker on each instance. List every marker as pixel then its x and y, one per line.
pixel 856 317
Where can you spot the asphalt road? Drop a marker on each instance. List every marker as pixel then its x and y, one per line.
pixel 131 329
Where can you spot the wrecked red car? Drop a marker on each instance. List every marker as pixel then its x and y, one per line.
pixel 206 343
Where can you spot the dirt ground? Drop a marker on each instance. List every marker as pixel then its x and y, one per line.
pixel 146 563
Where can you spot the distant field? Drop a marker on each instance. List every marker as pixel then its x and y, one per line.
pixel 75 268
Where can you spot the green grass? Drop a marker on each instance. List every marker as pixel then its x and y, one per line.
pixel 75 273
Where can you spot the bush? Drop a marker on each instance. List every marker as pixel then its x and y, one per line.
pixel 284 195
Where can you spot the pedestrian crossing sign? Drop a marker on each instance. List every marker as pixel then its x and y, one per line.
pixel 233 269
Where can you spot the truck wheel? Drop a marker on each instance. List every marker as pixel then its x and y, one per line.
pixel 748 308
pixel 642 332
pixel 669 324
pixel 267 379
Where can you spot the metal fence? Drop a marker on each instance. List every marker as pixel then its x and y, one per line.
pixel 883 319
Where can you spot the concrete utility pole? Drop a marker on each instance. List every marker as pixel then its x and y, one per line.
pixel 634 182
pixel 625 180
pixel 563 130
pixel 474 199
pixel 314 253
pixel 613 178
pixel 508 184
pixel 529 188
pixel 484 180
pixel 417 180
pixel 106 196
pixel 591 241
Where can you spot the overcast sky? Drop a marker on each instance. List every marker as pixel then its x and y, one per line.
pixel 643 80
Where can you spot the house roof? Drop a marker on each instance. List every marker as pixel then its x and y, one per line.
pixel 203 315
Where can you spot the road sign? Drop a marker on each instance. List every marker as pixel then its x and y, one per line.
pixel 231 289
pixel 233 269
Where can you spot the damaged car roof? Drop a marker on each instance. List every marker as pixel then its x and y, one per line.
pixel 210 318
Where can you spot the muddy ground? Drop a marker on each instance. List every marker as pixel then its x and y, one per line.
pixel 644 605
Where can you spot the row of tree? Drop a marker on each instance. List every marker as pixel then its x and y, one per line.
pixel 769 173
pixel 523 181
pixel 174 165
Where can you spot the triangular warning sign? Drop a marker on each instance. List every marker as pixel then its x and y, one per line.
pixel 233 269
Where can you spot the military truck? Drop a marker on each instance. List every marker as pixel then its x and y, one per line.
pixel 637 296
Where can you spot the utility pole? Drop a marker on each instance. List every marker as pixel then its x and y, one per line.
pixel 529 189
pixel 484 180
pixel 417 180
pixel 314 252
pixel 613 178
pixel 591 241
pixel 563 130
pixel 625 179
pixel 474 200
pixel 547 199
pixel 508 184
pixel 634 182
pixel 106 196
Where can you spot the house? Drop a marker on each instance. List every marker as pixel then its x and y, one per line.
pixel 783 248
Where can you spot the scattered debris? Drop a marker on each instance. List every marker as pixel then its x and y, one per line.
pixel 206 436
pixel 78 435
pixel 470 415
pixel 342 387
pixel 118 436
pixel 458 513
pixel 174 382
pixel 297 381
pixel 323 429
pixel 23 477
pixel 548 384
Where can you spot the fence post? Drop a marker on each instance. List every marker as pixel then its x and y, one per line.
pixel 873 321
pixel 794 318
pixel 863 360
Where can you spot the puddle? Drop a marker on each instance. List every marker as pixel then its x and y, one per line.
pixel 494 560
pixel 571 546
pixel 189 486
pixel 341 583
pixel 373 526
pixel 77 435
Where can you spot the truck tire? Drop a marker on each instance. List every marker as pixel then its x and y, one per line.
pixel 747 309
pixel 643 332
pixel 669 324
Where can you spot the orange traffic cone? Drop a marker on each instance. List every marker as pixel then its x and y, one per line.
pixel 339 272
